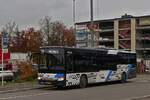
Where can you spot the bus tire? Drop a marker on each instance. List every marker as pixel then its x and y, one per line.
pixel 123 77
pixel 83 81
pixel 60 87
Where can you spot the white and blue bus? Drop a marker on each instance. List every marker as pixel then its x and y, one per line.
pixel 65 66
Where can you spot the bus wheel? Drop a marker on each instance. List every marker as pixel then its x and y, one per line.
pixel 123 78
pixel 83 81
pixel 60 87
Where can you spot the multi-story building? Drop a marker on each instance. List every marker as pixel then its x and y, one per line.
pixel 127 33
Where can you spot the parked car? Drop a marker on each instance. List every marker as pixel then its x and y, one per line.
pixel 6 74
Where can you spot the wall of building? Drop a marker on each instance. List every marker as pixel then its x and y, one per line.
pixel 131 34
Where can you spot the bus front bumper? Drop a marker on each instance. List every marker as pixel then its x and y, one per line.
pixel 51 82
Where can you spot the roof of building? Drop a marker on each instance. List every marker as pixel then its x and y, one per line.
pixel 124 17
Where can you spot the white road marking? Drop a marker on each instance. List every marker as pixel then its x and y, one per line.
pixel 138 98
pixel 23 96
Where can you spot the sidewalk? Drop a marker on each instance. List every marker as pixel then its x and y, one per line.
pixel 142 78
pixel 19 87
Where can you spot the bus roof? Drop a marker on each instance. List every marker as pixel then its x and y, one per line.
pixel 87 48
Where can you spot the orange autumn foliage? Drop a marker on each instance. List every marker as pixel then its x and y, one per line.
pixel 68 37
pixel 25 71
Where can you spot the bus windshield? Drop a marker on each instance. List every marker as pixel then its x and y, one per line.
pixel 51 62
pixel 55 62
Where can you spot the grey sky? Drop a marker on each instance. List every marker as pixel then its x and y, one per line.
pixel 29 12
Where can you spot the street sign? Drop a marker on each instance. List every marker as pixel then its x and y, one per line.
pixel 5 40
pixel 4 50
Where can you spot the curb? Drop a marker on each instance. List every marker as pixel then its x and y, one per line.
pixel 139 98
pixel 19 90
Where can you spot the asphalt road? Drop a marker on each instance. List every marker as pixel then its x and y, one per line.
pixel 112 91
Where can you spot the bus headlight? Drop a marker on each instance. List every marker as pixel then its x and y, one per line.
pixel 61 79
pixel 39 78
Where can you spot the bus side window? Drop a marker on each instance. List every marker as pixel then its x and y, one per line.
pixel 110 62
pixel 112 67
pixel 69 62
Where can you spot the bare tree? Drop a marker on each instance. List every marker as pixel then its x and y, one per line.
pixel 11 28
pixel 56 33
pixel 46 29
pixel 52 31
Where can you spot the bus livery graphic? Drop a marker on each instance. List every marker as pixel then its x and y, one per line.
pixel 65 66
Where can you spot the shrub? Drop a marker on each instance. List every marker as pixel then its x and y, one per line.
pixel 26 73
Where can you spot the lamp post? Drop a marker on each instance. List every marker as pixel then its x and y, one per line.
pixel 2 61
pixel 74 12
pixel 74 18
pixel 92 33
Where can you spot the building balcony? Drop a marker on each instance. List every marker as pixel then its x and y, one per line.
pixel 106 40
pixel 141 49
pixel 106 30
pixel 142 27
